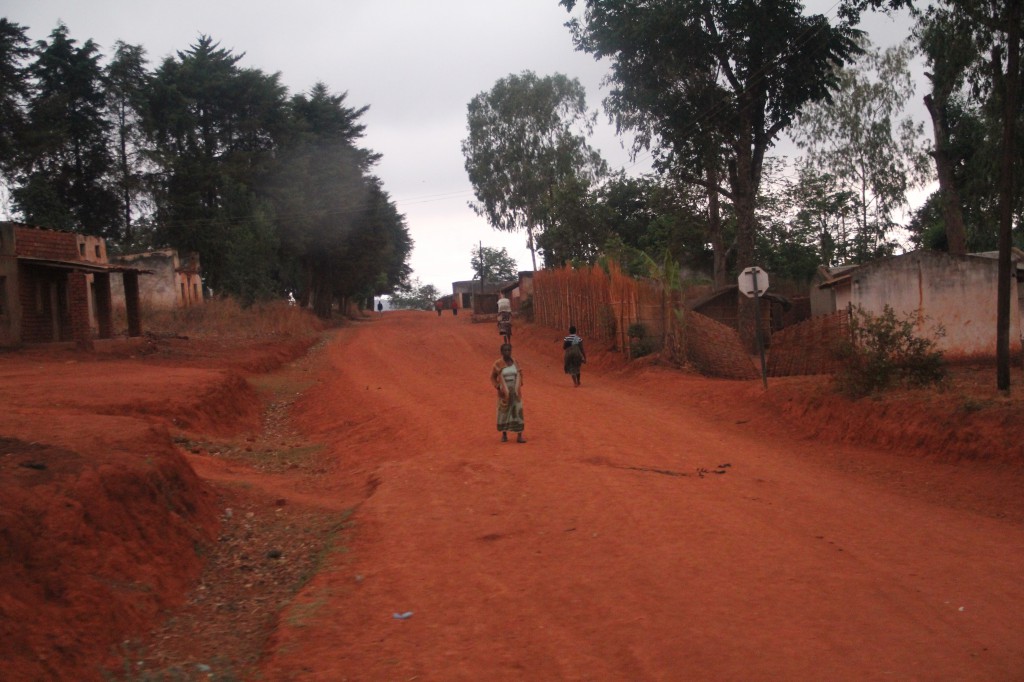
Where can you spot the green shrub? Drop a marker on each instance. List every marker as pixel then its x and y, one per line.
pixel 639 343
pixel 883 351
pixel 637 330
pixel 526 308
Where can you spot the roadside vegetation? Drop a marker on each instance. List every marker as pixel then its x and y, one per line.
pixel 226 318
pixel 884 351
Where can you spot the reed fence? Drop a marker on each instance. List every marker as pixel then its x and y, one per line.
pixel 608 306
pixel 601 305
pixel 810 346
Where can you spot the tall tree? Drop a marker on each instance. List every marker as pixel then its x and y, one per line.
pixel 995 27
pixel 859 138
pixel 948 51
pixel 655 216
pixel 493 265
pixel 527 151
pixel 214 127
pixel 706 77
pixel 573 233
pixel 415 296
pixel 1001 31
pixel 126 78
pixel 966 153
pixel 372 259
pixel 15 88
pixel 64 163
pixel 821 206
pixel 341 236
pixel 788 244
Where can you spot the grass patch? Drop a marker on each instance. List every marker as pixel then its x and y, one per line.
pixel 299 614
pixel 970 405
pixel 226 318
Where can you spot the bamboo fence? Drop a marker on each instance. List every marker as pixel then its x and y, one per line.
pixel 601 305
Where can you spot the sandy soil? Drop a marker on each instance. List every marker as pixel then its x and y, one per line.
pixel 185 511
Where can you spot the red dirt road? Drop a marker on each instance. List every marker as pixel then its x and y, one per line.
pixel 657 525
pixel 598 551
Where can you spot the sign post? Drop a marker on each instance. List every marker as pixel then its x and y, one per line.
pixel 753 282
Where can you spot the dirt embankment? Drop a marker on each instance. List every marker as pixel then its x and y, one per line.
pixel 104 524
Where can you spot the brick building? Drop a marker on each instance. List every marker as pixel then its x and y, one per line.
pixel 55 286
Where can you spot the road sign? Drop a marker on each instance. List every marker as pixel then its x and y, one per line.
pixel 753 282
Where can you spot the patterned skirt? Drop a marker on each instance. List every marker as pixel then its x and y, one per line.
pixel 510 415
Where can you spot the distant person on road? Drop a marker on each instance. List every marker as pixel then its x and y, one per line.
pixel 505 319
pixel 507 379
pixel 455 304
pixel 437 306
pixel 573 355
pixel 380 307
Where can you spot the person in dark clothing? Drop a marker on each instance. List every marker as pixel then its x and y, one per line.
pixel 574 356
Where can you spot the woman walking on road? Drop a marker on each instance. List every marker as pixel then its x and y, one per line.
pixel 505 318
pixel 573 355
pixel 507 378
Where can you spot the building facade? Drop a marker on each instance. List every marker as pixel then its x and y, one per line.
pixel 56 286
pixel 171 282
pixel 957 292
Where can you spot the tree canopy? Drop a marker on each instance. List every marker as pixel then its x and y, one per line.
pixel 861 141
pixel 711 85
pixel 62 160
pixel 527 155
pixel 204 155
pixel 973 50
pixel 493 265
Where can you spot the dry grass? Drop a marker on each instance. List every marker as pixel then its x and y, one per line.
pixel 222 318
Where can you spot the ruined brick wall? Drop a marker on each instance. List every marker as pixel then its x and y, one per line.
pixel 43 296
pixel 162 288
pixel 715 349
pixel 34 242
pixel 808 347
pixel 78 309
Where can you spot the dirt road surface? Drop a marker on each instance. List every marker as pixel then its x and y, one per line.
pixel 656 526
pixel 602 550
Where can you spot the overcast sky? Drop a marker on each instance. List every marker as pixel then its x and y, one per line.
pixel 415 63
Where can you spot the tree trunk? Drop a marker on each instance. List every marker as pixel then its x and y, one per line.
pixel 949 193
pixel 1011 94
pixel 306 287
pixel 744 193
pixel 718 249
pixel 323 299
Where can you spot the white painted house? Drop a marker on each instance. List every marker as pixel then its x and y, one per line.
pixel 958 292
